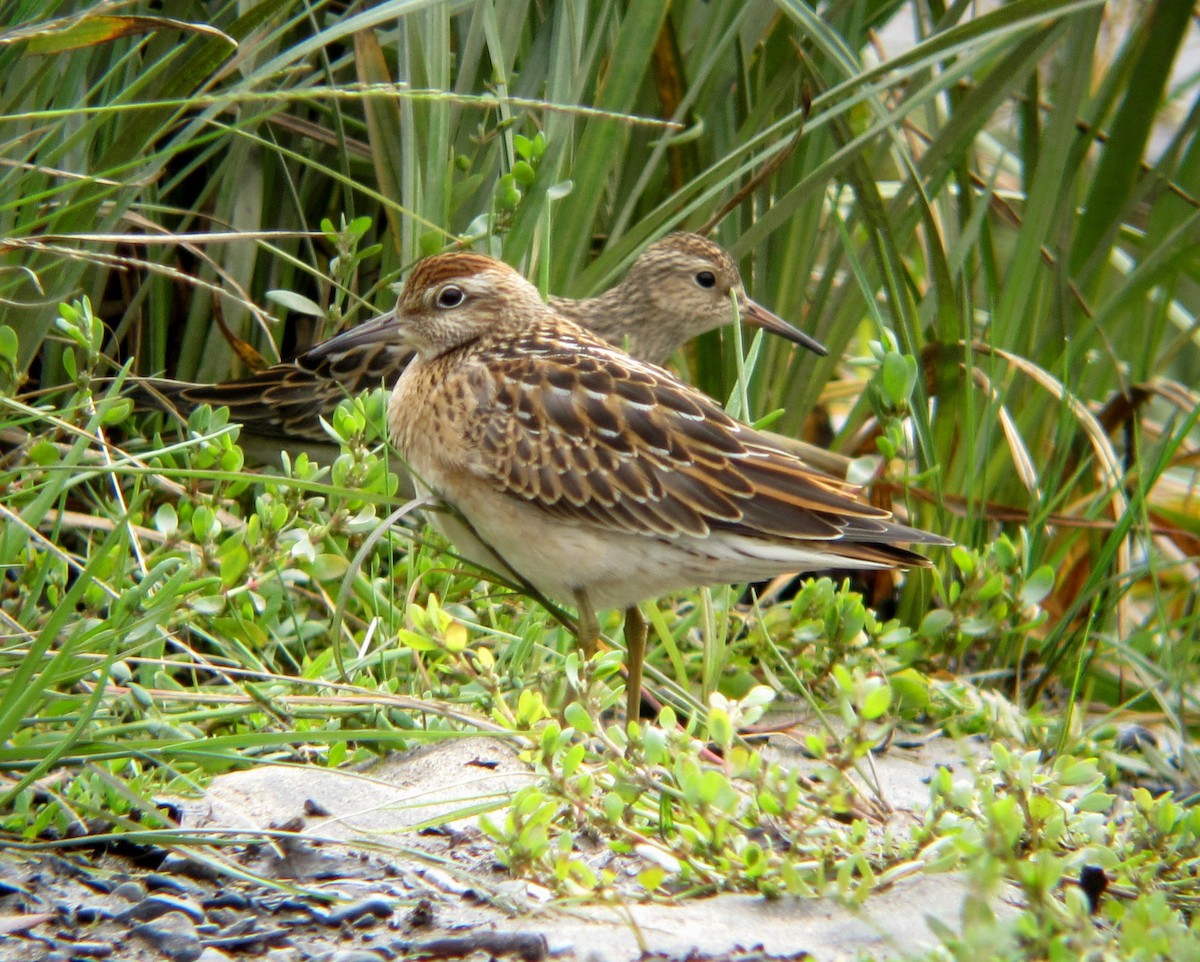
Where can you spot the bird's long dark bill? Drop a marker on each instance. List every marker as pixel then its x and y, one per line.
pixel 759 316
pixel 367 333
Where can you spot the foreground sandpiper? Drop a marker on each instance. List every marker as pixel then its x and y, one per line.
pixel 596 478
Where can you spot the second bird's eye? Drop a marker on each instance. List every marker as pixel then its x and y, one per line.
pixel 706 279
pixel 450 296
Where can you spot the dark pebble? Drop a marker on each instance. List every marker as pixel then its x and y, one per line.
pixel 170 810
pixel 85 914
pixel 159 880
pixel 96 884
pixel 315 809
pixel 11 888
pixel 421 916
pixel 375 905
pixel 1094 882
pixel 156 905
pixel 174 935
pixel 143 856
pixel 226 900
pixel 178 865
pixel 527 946
pixel 1133 738
pixel 237 927
pixel 236 942
pixel 90 950
pixel 130 891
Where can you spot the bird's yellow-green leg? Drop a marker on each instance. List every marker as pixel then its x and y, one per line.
pixel 635 657
pixel 587 632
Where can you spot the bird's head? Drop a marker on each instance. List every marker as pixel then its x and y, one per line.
pixel 692 284
pixel 450 300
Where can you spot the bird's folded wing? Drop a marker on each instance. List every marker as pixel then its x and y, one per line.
pixel 604 440
pixel 285 400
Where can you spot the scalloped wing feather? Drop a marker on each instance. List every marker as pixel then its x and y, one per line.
pixel 592 436
pixel 282 400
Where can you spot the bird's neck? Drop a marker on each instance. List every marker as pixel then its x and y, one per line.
pixel 622 316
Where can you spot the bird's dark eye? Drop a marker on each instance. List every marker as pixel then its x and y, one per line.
pixel 706 279
pixel 450 296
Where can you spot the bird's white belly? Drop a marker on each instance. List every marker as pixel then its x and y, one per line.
pixel 615 568
pixel 559 559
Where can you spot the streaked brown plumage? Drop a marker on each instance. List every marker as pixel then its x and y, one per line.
pixel 599 479
pixel 677 289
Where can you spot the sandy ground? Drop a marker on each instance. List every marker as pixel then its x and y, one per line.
pixel 356 838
